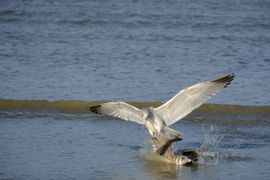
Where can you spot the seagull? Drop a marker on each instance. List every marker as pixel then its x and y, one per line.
pixel 157 120
pixel 164 148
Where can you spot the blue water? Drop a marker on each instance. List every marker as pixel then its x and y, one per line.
pixel 133 50
pixel 84 146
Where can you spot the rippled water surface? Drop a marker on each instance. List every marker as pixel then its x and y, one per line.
pixel 131 50
pixel 86 146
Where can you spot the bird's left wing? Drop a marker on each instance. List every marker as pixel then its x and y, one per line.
pixel 190 98
pixel 120 110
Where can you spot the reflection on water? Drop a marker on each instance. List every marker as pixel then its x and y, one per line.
pixel 158 168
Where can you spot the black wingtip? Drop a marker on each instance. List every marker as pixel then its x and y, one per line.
pixel 95 109
pixel 226 80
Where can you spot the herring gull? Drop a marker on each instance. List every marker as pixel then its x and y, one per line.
pixel 157 120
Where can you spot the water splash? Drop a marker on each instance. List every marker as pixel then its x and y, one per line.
pixel 146 152
pixel 208 153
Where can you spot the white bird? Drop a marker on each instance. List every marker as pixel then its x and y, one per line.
pixel 158 119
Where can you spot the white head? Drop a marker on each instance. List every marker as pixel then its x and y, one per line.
pixel 181 160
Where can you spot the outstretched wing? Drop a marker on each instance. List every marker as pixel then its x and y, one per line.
pixel 190 98
pixel 120 110
pixel 164 146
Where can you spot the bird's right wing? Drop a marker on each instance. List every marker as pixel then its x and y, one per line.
pixel 120 110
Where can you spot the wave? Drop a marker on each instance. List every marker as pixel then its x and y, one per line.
pixel 79 106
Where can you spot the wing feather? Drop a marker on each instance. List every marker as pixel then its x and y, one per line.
pixel 120 110
pixel 191 98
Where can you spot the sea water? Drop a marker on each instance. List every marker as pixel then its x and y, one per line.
pixel 49 145
pixel 132 51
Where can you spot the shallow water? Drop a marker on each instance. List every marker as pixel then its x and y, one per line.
pixel 132 51
pixel 84 146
